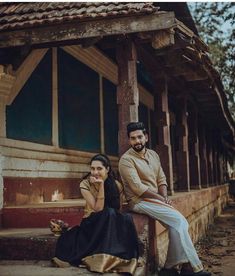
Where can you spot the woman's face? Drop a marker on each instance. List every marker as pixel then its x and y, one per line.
pixel 98 170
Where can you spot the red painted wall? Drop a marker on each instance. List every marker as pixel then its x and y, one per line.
pixel 20 191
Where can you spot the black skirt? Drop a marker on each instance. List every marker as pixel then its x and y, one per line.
pixel 106 241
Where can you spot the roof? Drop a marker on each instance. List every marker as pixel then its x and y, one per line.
pixel 181 11
pixel 21 15
pixel 40 23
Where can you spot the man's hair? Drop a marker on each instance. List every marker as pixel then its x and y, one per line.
pixel 135 126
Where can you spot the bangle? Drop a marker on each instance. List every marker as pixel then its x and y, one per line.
pixel 100 198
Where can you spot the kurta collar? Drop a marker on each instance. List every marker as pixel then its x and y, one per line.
pixel 135 153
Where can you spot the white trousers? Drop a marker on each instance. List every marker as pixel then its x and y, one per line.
pixel 180 249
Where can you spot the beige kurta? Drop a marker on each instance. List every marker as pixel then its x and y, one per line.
pixel 140 173
pixel 94 189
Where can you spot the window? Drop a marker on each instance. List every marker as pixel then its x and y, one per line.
pixel 29 116
pixel 79 116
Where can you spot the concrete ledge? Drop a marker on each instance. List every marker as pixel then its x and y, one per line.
pixel 200 207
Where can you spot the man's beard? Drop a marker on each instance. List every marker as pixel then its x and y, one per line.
pixel 139 147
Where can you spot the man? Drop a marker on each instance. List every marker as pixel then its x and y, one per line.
pixel 146 192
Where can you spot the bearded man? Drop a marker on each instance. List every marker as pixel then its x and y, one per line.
pixel 145 188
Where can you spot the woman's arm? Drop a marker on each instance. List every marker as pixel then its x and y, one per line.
pixel 97 204
pixel 121 193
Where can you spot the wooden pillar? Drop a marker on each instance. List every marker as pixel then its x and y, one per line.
pixel 194 160
pixel 55 112
pixel 6 83
pixel 127 91
pixel 209 158
pixel 217 167
pixel 1 187
pixel 182 153
pixel 2 118
pixel 226 177
pixel 163 147
pixel 203 156
pixel 220 162
pixel 223 167
pixel 215 162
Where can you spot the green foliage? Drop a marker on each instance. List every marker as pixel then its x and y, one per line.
pixel 215 22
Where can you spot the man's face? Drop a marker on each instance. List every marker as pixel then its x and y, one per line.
pixel 138 140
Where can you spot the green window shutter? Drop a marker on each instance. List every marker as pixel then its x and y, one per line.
pixel 29 117
pixel 79 115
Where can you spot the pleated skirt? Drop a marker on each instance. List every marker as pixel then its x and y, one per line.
pixel 106 241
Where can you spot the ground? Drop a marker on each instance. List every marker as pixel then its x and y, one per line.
pixel 216 250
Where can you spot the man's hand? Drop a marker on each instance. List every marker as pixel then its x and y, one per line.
pixel 163 192
pixel 153 193
pixel 160 195
pixel 167 200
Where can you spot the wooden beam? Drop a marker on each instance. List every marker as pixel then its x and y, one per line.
pixel 189 73
pixel 154 66
pixel 163 38
pixel 93 28
pixel 88 42
pixel 24 72
pixel 195 76
pixel 7 80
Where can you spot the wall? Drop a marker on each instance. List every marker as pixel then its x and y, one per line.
pixel 33 173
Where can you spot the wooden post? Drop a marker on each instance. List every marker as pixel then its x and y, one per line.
pixel 127 91
pixel 183 154
pixel 55 116
pixel 217 167
pixel 101 95
pixel 1 188
pixel 214 158
pixel 203 157
pixel 220 160
pixel 194 161
pixel 6 83
pixel 163 147
pixel 209 159
pixel 2 118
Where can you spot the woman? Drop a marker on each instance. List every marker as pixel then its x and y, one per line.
pixel 106 240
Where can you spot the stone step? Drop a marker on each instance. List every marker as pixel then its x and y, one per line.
pixel 27 244
pixel 42 268
pixel 39 215
pixel 39 243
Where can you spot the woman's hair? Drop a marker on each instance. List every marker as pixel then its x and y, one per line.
pixel 105 162
pixel 111 192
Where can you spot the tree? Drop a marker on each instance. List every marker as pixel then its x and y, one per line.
pixel 215 22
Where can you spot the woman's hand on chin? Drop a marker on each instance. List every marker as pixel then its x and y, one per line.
pixel 94 179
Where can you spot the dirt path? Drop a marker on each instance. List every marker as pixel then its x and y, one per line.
pixel 217 249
